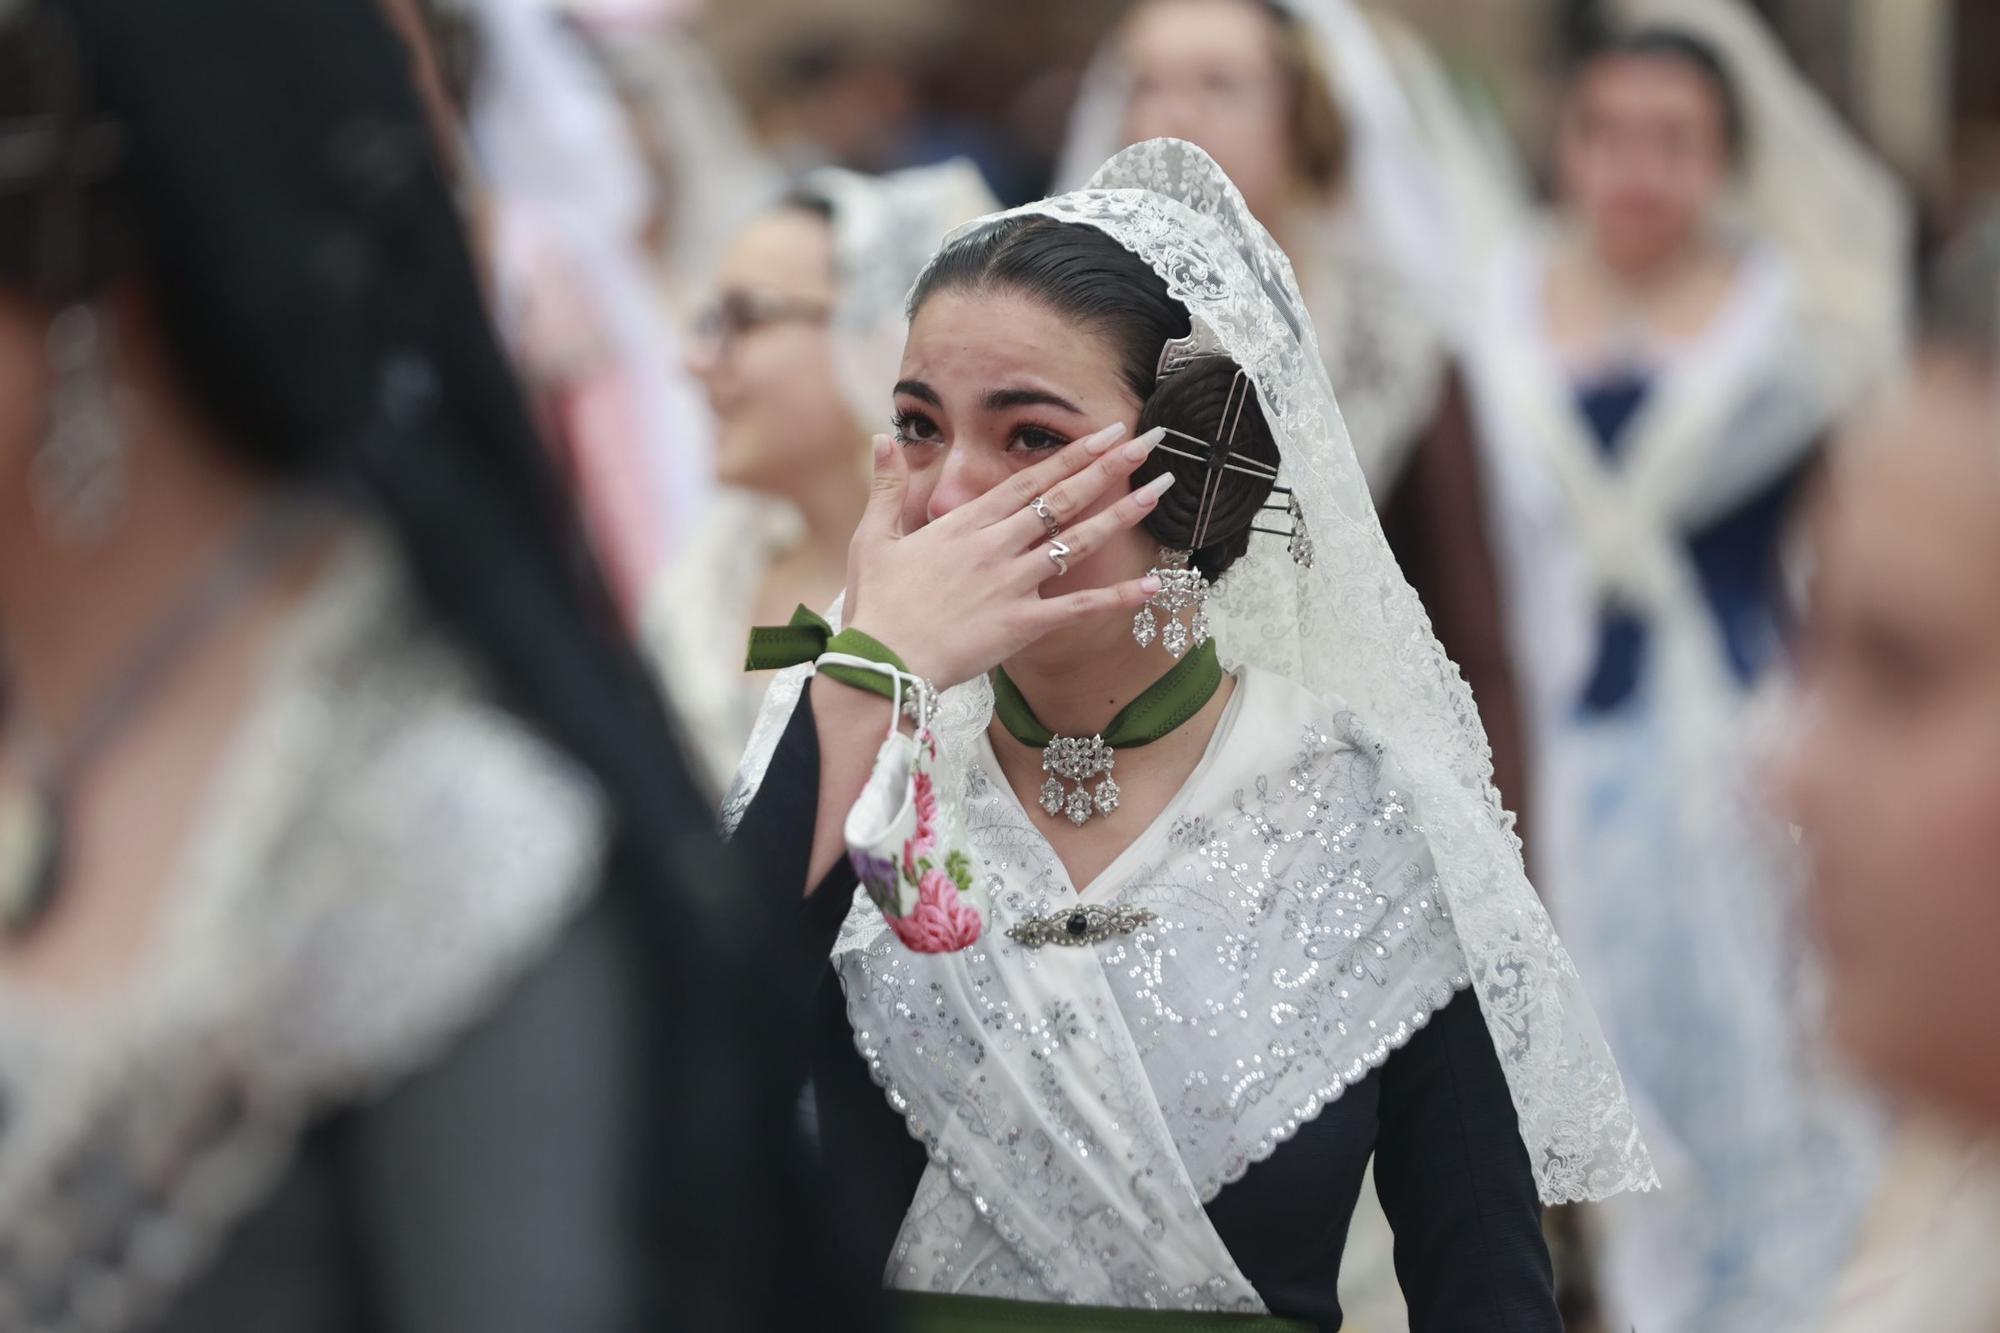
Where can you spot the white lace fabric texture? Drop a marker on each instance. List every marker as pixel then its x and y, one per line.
pixel 1348 628
pixel 382 853
pixel 1106 1095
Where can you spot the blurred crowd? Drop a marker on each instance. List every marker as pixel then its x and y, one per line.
pixel 1667 333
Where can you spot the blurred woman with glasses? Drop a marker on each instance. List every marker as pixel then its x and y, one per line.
pixel 797 352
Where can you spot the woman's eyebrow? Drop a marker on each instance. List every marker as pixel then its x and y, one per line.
pixel 920 391
pixel 999 400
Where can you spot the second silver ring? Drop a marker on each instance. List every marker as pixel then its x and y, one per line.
pixel 1058 554
pixel 1047 515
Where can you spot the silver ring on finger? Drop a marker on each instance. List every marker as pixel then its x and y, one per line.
pixel 1047 515
pixel 1058 554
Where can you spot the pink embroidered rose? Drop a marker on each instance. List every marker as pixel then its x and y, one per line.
pixel 942 921
pixel 925 841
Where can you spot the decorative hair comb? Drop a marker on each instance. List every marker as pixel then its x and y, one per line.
pixel 1200 341
pixel 1218 454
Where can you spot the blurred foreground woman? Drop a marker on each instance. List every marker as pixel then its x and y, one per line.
pixel 360 947
pixel 1895 782
pixel 1656 374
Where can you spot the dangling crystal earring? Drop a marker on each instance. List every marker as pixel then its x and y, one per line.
pixel 1181 586
pixel 79 469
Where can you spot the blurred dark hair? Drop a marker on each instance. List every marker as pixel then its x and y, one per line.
pixel 1084 275
pixel 68 222
pixel 1682 47
pixel 280 197
pixel 1961 309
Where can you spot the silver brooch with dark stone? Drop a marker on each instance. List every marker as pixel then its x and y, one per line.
pixel 1079 925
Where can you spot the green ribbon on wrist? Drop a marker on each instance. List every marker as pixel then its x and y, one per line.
pixel 808 636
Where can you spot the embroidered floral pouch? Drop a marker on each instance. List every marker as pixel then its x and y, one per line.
pixel 896 841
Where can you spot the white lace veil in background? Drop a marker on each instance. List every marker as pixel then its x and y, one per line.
pixel 1422 176
pixel 885 229
pixel 567 181
pixel 1351 628
pixel 1389 259
pixel 709 174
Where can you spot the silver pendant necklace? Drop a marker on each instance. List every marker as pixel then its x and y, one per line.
pixel 34 806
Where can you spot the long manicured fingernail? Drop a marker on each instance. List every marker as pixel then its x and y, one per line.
pixel 1104 439
pixel 1136 451
pixel 881 450
pixel 1149 494
pixel 1150 584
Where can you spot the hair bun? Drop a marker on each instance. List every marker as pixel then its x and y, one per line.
pixel 1192 401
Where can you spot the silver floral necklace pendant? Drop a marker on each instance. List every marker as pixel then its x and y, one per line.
pixel 1073 759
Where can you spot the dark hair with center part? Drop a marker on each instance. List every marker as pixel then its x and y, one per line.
pixel 1087 277
pixel 1678 46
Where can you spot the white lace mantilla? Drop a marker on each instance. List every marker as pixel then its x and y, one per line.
pixel 381 853
pixel 1087 1102
pixel 1348 628
pixel 1385 354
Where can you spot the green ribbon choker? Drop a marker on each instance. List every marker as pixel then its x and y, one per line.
pixel 1165 705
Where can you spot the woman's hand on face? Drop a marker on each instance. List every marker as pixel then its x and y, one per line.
pixel 962 594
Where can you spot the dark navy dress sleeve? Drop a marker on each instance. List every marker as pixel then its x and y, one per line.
pixel 1455 1182
pixel 775 839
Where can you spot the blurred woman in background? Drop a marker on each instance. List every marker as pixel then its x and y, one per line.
pixel 798 353
pixel 360 939
pixel 1654 378
pixel 1299 102
pixel 1894 780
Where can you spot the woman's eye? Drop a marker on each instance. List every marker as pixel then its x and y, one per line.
pixel 914 428
pixel 1035 440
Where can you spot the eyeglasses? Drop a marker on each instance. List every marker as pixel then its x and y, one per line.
pixel 736 314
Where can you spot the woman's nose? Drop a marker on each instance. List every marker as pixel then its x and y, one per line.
pixel 964 474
